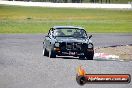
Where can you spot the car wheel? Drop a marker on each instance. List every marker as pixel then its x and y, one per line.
pixel 52 54
pixel 89 55
pixel 45 52
pixel 81 57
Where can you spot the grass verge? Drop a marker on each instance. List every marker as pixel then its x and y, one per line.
pixel 17 19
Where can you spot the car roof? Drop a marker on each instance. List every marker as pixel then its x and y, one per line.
pixel 59 27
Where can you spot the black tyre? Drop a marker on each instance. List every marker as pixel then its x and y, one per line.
pixel 82 57
pixel 45 52
pixel 52 54
pixel 89 55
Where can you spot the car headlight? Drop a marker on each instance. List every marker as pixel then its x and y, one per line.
pixel 57 44
pixel 90 45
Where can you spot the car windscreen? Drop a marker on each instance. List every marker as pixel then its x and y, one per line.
pixel 70 32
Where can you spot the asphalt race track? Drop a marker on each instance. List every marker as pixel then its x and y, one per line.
pixel 23 66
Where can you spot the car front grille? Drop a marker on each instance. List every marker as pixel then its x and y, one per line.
pixel 73 46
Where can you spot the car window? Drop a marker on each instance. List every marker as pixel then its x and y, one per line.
pixel 70 32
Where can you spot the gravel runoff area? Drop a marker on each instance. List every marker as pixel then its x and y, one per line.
pixel 124 52
pixel 114 44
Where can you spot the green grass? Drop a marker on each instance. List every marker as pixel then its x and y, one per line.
pixel 16 19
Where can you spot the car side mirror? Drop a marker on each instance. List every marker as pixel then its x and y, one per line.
pixel 53 36
pixel 47 36
pixel 90 36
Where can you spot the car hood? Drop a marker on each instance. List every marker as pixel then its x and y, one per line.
pixel 72 39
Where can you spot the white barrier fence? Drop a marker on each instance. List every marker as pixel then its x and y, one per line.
pixel 68 5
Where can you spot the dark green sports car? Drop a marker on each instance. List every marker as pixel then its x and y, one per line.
pixel 68 41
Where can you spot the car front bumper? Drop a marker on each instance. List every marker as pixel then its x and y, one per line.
pixel 71 52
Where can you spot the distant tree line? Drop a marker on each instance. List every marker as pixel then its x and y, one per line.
pixel 60 1
pixel 73 1
pixel 101 1
pixel 79 1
